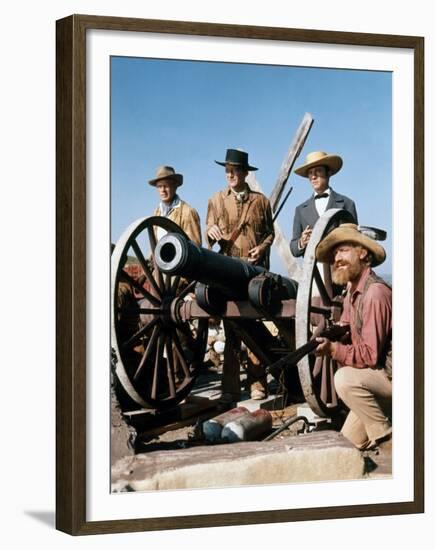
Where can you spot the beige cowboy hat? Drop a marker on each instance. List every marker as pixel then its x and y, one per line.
pixel 348 233
pixel 166 172
pixel 319 158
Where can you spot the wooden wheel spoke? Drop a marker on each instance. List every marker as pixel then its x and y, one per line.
pixel 187 289
pixel 180 353
pixel 152 238
pixel 139 310
pixel 127 310
pixel 334 399
pixel 168 283
pixel 157 362
pixel 145 268
pixel 139 334
pixel 126 277
pixel 317 366
pixel 149 310
pixel 161 282
pixel 327 277
pixel 175 284
pixel 153 244
pixel 324 294
pixel 150 348
pixel 170 367
pixel 325 387
pixel 327 392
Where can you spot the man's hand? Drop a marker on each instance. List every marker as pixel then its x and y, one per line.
pixel 325 347
pixel 215 233
pixel 305 237
pixel 255 254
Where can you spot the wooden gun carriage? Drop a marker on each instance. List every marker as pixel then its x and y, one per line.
pixel 159 332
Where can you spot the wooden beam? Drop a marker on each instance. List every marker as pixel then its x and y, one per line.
pixel 280 243
pixel 289 160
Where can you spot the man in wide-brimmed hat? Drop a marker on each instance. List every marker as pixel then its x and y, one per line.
pixel 240 221
pixel 318 168
pixel 171 206
pixel 363 379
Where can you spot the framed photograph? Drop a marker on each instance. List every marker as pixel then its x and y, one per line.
pixel 143 101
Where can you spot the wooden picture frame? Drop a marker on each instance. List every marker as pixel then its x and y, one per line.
pixel 71 474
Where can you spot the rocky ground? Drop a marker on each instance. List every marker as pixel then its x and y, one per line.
pixel 189 436
pixel 187 433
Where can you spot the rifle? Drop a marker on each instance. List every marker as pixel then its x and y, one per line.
pixel 282 204
pixel 334 333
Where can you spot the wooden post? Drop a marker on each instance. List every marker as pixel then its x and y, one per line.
pixel 289 160
pixel 280 243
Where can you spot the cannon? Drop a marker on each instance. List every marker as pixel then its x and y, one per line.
pixel 219 278
pixel 160 320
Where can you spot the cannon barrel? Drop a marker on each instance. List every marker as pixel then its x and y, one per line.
pixel 176 255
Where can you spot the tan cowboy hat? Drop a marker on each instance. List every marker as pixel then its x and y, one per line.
pixel 348 233
pixel 319 158
pixel 167 172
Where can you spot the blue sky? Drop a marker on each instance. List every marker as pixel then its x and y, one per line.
pixel 187 113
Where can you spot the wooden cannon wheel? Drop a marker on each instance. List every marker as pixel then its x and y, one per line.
pixel 314 309
pixel 155 360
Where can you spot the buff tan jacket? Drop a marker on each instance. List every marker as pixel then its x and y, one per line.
pixel 187 218
pixel 251 221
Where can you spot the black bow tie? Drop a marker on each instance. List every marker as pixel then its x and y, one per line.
pixel 321 195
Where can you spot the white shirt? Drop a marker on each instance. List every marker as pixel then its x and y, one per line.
pixel 160 231
pixel 322 202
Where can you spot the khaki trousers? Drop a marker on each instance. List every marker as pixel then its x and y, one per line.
pixel 367 392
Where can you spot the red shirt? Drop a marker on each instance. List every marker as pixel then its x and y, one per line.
pixel 366 348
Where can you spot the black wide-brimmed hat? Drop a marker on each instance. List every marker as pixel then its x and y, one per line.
pixel 238 158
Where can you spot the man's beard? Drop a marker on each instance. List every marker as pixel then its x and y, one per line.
pixel 349 272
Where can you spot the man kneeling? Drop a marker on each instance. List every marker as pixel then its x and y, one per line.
pixel 363 379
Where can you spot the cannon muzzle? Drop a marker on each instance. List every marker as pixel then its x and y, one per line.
pixel 176 255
